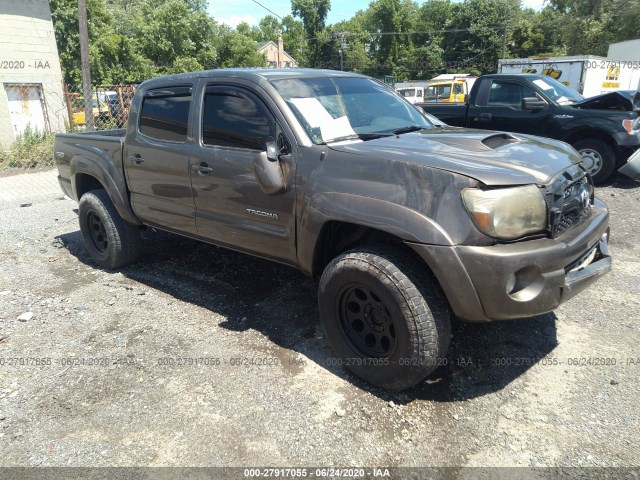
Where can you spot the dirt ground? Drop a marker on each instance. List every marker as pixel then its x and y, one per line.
pixel 203 357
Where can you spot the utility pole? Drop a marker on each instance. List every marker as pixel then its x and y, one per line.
pixel 504 42
pixel 84 61
pixel 343 46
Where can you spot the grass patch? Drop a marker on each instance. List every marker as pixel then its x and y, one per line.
pixel 31 149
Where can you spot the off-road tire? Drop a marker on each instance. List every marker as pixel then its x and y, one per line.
pixel 111 242
pixel 385 316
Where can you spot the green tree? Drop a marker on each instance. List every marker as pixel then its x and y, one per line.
pixel 111 53
pixel 313 14
pixel 237 50
pixel 479 29
pixel 171 31
pixel 536 34
pixel 350 37
pixel 624 19
pixel 393 48
pixel 268 29
pixel 294 38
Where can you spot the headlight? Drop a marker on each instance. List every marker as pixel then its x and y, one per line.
pixel 631 126
pixel 507 213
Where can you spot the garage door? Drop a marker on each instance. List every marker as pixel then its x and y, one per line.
pixel 26 107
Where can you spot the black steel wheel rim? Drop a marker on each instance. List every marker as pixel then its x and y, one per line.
pixel 366 321
pixel 97 232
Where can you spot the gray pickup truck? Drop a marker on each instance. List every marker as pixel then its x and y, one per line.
pixel 403 221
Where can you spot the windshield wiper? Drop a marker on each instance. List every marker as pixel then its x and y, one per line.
pixel 408 129
pixel 357 136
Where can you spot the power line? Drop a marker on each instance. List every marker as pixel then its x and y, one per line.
pixel 267 9
pixel 498 28
pixel 448 30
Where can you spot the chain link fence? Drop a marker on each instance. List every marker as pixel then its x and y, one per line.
pixel 30 113
pixel 110 105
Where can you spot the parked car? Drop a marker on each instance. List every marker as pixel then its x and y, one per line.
pixel 605 130
pixel 402 222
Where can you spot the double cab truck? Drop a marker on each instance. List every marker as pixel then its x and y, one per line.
pixel 605 130
pixel 404 222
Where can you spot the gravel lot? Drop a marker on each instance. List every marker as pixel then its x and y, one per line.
pixel 101 371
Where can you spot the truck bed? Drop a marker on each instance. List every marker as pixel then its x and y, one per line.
pixel 100 146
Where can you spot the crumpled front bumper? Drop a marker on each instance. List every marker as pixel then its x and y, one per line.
pixel 522 279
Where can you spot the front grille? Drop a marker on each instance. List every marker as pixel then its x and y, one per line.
pixel 569 199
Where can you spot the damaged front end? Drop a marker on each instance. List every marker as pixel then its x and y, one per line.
pixel 621 100
pixel 624 101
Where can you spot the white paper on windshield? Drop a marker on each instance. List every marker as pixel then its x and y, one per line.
pixel 313 111
pixel 339 127
pixel 318 117
pixel 542 84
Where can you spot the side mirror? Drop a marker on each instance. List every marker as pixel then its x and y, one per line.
pixel 533 103
pixel 268 171
pixel 271 148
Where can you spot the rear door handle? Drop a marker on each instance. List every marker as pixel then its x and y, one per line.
pixel 202 168
pixel 485 117
pixel 136 159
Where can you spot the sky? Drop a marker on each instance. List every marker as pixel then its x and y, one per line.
pixel 232 12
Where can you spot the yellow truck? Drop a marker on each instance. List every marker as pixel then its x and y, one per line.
pixel 101 111
pixel 449 88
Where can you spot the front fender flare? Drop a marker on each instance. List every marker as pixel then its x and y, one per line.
pixel 403 222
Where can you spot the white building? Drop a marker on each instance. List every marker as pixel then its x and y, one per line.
pixel 31 92
pixel 625 51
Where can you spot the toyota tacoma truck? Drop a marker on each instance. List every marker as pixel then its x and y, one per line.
pixel 605 130
pixel 404 222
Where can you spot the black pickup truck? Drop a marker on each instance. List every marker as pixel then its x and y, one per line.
pixel 402 220
pixel 605 130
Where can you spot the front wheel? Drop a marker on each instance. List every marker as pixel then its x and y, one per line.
pixel 110 241
pixel 385 317
pixel 597 157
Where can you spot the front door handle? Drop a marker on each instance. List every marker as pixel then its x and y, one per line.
pixel 136 159
pixel 485 117
pixel 202 168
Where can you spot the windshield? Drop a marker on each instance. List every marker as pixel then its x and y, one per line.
pixel 340 108
pixel 436 92
pixel 557 92
pixel 407 92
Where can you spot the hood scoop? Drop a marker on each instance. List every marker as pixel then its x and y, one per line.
pixel 476 144
pixel 498 140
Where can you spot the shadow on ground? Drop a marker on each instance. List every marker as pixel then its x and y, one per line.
pixel 280 302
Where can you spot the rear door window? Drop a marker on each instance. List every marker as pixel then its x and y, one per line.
pixel 165 114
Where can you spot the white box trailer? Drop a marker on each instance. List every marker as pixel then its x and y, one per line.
pixel 413 90
pixel 588 74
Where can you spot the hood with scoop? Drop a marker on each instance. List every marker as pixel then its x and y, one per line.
pixel 492 158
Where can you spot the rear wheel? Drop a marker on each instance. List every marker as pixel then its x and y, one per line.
pixel 597 157
pixel 386 320
pixel 110 241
